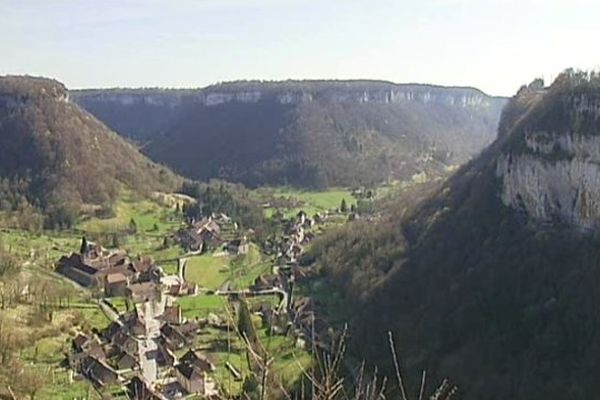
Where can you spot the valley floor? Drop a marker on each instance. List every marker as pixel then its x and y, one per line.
pixel 46 310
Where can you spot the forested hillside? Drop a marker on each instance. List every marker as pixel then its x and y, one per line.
pixel 489 282
pixel 304 133
pixel 56 159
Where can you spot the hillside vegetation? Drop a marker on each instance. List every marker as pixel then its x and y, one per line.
pixel 58 160
pixel 473 289
pixel 303 133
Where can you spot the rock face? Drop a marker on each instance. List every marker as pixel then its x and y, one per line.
pixel 550 168
pixel 304 133
pixel 294 92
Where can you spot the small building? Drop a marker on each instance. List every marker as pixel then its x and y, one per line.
pixel 192 373
pixel 173 338
pixel 97 371
pixel 126 361
pixel 192 380
pixel 198 360
pixel 115 284
pixel 143 292
pixel 238 246
pixel 137 389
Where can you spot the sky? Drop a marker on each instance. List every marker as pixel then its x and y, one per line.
pixel 494 45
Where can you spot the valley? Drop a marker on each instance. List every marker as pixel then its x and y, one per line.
pixel 121 279
pixel 69 313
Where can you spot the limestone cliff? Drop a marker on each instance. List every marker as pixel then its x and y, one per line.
pixel 550 164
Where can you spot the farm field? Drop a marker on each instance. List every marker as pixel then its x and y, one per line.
pixel 311 202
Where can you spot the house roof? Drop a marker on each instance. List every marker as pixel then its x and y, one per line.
pixel 138 390
pixel 98 371
pixel 142 264
pixel 189 372
pixel 117 258
pixel 198 360
pixel 144 291
pixel 172 314
pixel 80 340
pixel 126 359
pixel 116 277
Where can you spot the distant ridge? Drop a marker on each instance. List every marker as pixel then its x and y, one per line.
pixel 309 133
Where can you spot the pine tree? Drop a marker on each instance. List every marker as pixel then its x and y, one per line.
pixel 84 246
pixel 343 206
pixel 115 241
pixel 132 226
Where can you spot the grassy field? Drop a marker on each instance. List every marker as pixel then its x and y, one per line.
pixel 211 271
pixel 207 270
pixel 148 215
pixel 200 306
pixel 310 202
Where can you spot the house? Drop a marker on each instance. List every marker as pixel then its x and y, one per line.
pixel 238 246
pixel 198 360
pixel 143 292
pixel 115 284
pixel 308 223
pixel 138 390
pixel 164 358
pixel 318 218
pixel 277 323
pixel 126 361
pixel 221 219
pixel 91 268
pixel 172 337
pixel 97 371
pixel 144 269
pixel 192 373
pixel 172 315
pixel 301 217
pixel 75 268
pixel 84 346
pixel 266 282
pixel 177 286
pixel 199 235
pixel 89 345
pixel 192 380
pixel 125 343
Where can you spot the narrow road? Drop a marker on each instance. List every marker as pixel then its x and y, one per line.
pixel 181 266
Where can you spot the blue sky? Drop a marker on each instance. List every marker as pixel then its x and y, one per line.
pixel 495 45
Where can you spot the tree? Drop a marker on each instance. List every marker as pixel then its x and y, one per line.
pixel 115 241
pixel 84 246
pixel 343 206
pixel 132 226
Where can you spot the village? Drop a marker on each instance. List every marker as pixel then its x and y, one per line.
pixel 156 346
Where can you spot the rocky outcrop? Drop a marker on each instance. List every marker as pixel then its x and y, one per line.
pixel 550 167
